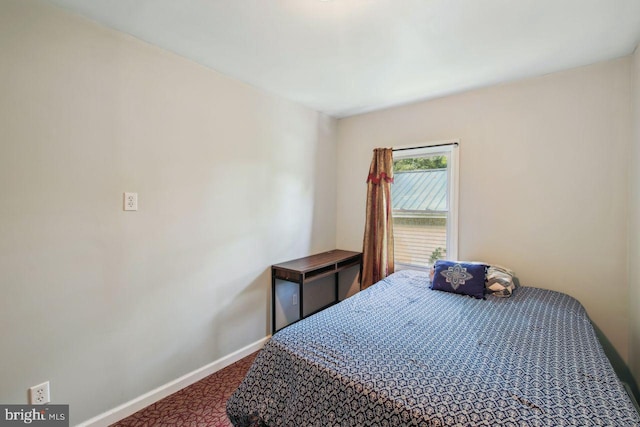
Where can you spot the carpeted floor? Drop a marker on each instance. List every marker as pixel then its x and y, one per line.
pixel 202 404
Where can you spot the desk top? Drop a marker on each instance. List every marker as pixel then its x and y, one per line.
pixel 314 262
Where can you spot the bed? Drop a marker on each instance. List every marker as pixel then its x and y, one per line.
pixel 401 354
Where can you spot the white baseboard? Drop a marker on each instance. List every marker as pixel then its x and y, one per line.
pixel 134 405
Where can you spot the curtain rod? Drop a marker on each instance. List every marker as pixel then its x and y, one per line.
pixel 426 146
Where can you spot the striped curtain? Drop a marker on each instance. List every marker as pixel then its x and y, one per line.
pixel 377 248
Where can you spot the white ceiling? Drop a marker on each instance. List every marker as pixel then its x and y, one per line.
pixel 344 57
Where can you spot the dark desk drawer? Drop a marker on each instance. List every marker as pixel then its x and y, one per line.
pixel 291 276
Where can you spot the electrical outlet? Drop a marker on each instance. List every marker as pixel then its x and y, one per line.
pixel 130 201
pixel 294 299
pixel 39 394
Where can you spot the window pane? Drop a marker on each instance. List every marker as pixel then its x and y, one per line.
pixel 419 242
pixel 420 210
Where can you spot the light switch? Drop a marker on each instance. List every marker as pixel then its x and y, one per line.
pixel 130 201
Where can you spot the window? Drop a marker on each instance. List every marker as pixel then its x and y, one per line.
pixel 424 201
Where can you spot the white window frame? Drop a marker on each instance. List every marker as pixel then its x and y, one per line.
pixel 451 149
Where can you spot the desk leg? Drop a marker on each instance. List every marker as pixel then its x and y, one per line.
pixel 301 302
pixel 337 296
pixel 273 303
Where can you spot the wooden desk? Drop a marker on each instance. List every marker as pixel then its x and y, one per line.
pixel 308 269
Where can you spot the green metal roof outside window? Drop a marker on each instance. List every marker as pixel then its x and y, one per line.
pixel 423 191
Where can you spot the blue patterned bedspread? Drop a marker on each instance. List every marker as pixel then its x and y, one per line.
pixel 400 354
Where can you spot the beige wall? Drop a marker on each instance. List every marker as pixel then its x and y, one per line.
pixel 107 304
pixel 543 178
pixel 634 227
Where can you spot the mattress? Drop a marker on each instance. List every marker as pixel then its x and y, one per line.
pixel 401 354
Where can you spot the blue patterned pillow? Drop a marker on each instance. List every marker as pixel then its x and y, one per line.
pixel 460 278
